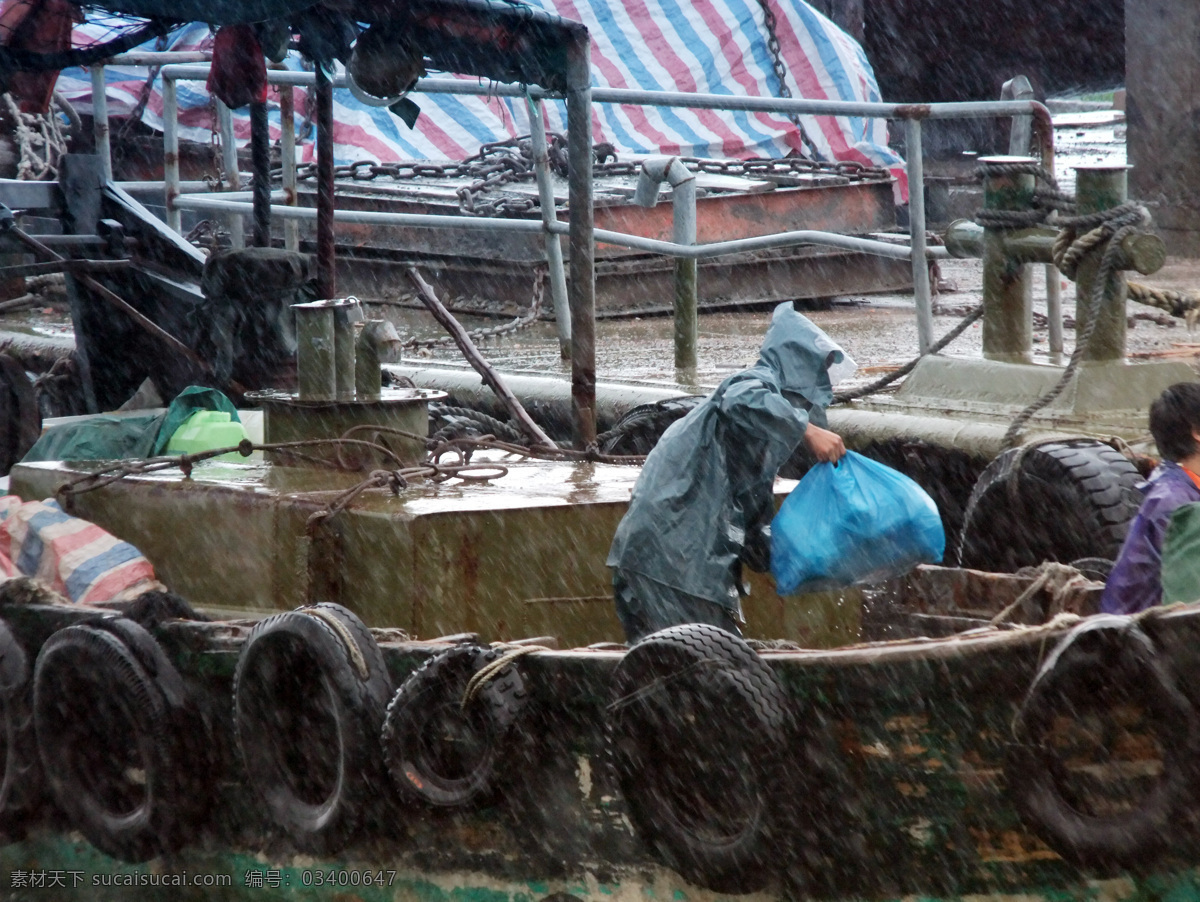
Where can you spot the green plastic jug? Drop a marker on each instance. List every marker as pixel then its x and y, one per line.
pixel 205 430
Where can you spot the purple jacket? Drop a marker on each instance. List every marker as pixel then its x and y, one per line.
pixel 1136 581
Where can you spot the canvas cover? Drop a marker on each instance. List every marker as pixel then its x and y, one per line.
pixel 700 46
pixel 75 558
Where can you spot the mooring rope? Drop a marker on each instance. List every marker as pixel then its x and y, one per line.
pixel 489 671
pixel 352 649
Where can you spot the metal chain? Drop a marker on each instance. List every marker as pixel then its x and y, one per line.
pixel 511 162
pixel 770 23
pixel 521 322
pixel 1114 225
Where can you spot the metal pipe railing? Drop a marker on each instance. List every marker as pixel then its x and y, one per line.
pixel 912 114
pixel 582 234
pixel 554 259
pixel 230 203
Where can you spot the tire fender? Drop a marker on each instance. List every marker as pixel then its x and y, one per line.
pixel 1057 501
pixel 1106 657
pixel 696 729
pixel 21 786
pixel 309 695
pixel 428 708
pixel 110 714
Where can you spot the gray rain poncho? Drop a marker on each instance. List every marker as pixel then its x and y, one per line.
pixel 703 503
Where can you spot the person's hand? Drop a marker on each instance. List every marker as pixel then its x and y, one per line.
pixel 825 445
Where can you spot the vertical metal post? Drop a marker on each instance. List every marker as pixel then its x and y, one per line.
pixel 326 277
pixel 287 151
pixel 260 156
pixel 233 176
pixel 1019 139
pixel 1007 286
pixel 1097 189
pixel 315 343
pixel 687 327
pixel 368 372
pixel 916 229
pixel 100 131
pixel 554 258
pixel 1054 309
pixel 171 153
pixel 582 239
pixel 343 348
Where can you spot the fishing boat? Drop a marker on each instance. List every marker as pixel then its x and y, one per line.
pixel 403 681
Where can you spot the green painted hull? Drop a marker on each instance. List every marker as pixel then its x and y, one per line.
pixel 912 736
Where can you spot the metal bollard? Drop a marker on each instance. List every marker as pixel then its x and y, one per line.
pixel 1098 189
pixel 1007 321
pixel 377 340
pixel 325 348
pixel 1007 287
pixel 315 371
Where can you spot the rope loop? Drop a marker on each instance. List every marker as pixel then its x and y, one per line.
pixel 352 650
pixel 489 671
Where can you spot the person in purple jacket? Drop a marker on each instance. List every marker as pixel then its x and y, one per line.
pixel 1136 579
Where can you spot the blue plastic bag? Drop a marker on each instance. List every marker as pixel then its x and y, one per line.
pixel 852 522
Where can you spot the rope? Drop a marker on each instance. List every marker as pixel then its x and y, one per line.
pixel 431 467
pixel 330 619
pixel 1177 303
pixel 1046 201
pixel 1114 225
pixel 497 427
pixel 1058 578
pixel 878 384
pixel 488 671
pixel 31 132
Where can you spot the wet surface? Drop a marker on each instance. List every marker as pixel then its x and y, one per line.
pixel 879 331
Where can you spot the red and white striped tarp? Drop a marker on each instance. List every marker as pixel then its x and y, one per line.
pixel 73 557
pixel 699 46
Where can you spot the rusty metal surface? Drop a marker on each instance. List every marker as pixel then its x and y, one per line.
pixel 637 285
pixel 439 558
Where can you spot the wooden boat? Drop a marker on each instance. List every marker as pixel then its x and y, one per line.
pixel 304 756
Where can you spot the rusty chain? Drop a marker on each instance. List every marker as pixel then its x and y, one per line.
pixel 510 162
pixel 516 325
pixel 770 24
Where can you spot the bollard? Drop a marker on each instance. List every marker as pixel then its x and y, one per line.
pixel 346 313
pixel 1008 314
pixel 1097 189
pixel 315 371
pixel 377 339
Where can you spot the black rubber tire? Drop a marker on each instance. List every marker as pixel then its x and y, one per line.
pixel 440 754
pixel 1072 499
pixel 20 419
pixel 1104 659
pixel 696 731
pixel 22 790
pixel 638 431
pixel 111 715
pixel 307 725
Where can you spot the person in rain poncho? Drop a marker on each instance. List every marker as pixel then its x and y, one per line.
pixel 703 503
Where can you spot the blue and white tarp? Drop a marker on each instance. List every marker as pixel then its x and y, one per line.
pixel 699 46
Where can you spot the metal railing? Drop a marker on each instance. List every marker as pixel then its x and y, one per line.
pixel 913 115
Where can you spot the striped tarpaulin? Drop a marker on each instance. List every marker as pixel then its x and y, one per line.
pixel 704 46
pixel 73 557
